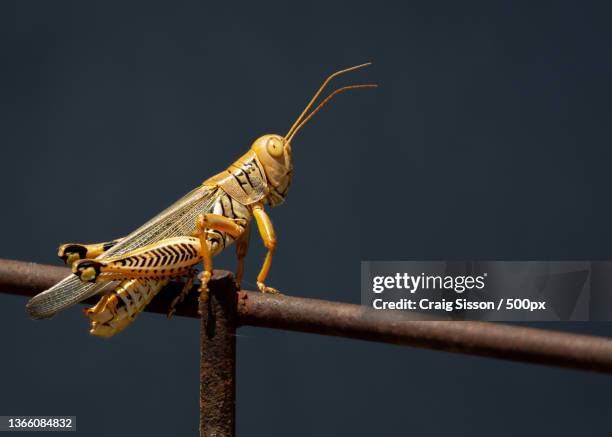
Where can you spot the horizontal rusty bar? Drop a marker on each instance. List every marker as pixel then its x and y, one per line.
pixel 354 321
pixel 485 339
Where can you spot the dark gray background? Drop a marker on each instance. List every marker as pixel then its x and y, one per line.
pixel 488 139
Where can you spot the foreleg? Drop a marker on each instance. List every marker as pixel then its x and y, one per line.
pixel 266 230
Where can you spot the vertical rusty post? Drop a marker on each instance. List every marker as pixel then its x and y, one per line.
pixel 218 358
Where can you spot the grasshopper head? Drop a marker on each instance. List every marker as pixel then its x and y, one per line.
pixel 274 154
pixel 274 151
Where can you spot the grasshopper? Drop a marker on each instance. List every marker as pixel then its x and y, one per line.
pixel 130 271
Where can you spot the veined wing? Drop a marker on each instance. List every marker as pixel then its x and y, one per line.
pixel 176 220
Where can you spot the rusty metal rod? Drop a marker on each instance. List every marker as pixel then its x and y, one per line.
pixel 218 358
pixel 496 340
pixel 486 339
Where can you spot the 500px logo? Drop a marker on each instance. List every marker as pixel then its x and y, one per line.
pixel 412 283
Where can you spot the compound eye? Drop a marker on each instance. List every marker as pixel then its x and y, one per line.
pixel 275 148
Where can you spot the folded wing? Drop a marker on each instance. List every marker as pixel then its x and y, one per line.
pixel 176 220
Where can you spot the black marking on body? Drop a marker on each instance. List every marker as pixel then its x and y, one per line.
pixel 74 248
pixel 165 259
pixel 181 250
pixel 217 236
pixel 226 204
pixel 108 245
pixel 254 163
pixel 231 202
pixel 246 175
pixel 240 183
pixel 192 251
pixel 165 256
pixel 84 264
pixel 175 254
pixel 171 255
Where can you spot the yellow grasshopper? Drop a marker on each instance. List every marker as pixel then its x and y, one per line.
pixel 130 271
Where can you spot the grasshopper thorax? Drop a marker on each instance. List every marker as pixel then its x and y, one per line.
pixel 274 154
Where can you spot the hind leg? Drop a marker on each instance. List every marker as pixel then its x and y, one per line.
pixel 168 258
pixel 117 310
pixel 181 296
pixel 72 252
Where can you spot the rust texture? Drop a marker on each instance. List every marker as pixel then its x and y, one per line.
pixel 487 339
pixel 28 279
pixel 353 321
pixel 218 358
